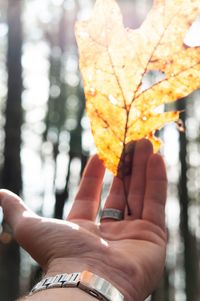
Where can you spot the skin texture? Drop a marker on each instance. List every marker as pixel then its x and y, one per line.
pixel 128 253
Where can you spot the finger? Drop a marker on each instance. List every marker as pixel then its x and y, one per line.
pixel 143 151
pixel 156 191
pixel 87 200
pixel 116 198
pixel 20 218
pixel 14 209
pixel 26 225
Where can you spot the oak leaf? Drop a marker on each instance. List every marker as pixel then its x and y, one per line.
pixel 114 61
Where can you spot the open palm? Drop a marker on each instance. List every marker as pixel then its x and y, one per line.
pixel 129 253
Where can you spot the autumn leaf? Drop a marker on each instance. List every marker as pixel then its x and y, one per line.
pixel 114 61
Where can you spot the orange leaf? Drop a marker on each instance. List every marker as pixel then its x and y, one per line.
pixel 114 61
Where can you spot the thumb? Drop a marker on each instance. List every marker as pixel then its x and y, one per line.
pixel 25 224
pixel 14 209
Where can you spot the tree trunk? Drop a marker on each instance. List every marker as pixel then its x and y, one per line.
pixel 162 293
pixel 189 240
pixel 11 173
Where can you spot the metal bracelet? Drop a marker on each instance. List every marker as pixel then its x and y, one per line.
pixel 86 281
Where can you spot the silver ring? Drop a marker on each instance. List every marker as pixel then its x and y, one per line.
pixel 112 214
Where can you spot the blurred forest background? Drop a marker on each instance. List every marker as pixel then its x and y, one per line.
pixel 45 138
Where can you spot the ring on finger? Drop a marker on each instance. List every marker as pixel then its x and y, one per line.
pixel 111 213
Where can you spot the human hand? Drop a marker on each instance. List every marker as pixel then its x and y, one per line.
pixel 129 253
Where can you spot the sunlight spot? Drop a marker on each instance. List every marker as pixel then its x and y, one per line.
pixel 5 238
pixel 72 79
pixel 144 118
pixel 28 214
pixel 88 142
pixel 3 30
pixel 104 242
pixel 192 38
pixel 84 34
pixel 73 226
pixel 60 222
pixel 171 137
pixel 85 123
pixel 57 2
pixel 113 100
pixel 85 10
pixel 71 124
pixel 151 78
pixel 1 216
pixel 73 103
pixel 55 91
pixel 69 5
pixel 92 92
pixel 159 109
pixel 172 213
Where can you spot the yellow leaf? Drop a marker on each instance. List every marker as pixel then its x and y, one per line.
pixel 114 61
